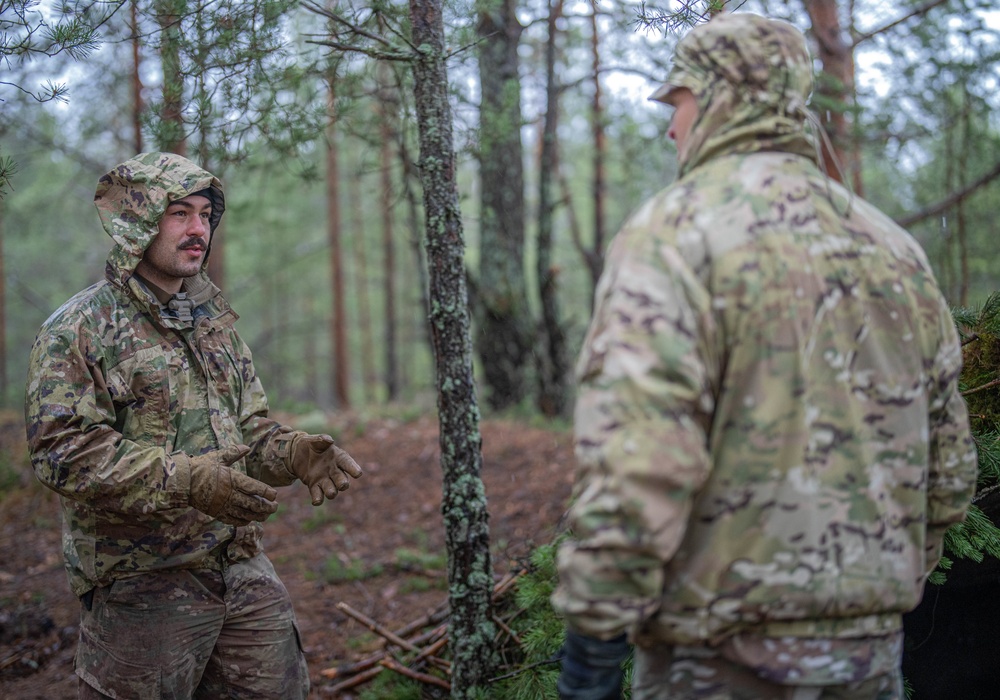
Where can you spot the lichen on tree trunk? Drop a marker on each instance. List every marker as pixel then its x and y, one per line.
pixel 470 572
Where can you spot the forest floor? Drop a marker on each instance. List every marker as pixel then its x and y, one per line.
pixel 379 547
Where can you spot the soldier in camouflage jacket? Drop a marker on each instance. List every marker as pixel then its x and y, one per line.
pixel 144 413
pixel 770 436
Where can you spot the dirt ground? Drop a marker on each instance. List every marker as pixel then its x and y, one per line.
pixel 379 547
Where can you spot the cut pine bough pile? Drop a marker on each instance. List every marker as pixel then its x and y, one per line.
pixel 414 650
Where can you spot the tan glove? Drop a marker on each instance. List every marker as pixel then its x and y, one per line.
pixel 227 494
pixel 321 465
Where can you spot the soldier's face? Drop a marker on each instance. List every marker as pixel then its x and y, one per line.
pixel 179 248
pixel 685 112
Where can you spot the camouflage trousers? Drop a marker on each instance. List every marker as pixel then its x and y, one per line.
pixel 690 673
pixel 192 634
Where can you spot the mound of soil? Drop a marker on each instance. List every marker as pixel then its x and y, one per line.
pixel 379 547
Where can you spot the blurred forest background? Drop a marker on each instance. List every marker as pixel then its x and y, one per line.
pixel 306 111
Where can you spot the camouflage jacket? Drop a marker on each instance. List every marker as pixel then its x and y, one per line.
pixel 769 432
pixel 120 388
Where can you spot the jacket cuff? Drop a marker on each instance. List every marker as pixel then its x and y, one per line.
pixel 277 458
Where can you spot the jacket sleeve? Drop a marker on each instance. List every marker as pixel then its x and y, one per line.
pixel 640 423
pixel 261 434
pixel 74 447
pixel 953 468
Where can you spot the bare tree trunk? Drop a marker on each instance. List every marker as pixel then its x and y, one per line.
pixel 467 536
pixel 310 357
pixel 600 148
pixel 172 136
pixel 387 117
pixel 368 372
pixel 416 234
pixel 504 340
pixel 137 106
pixel 837 89
pixel 338 319
pixel 553 370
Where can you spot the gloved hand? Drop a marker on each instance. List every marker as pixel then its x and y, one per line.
pixel 321 465
pixel 227 494
pixel 591 668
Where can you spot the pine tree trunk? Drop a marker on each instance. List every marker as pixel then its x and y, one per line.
pixel 410 174
pixel 470 569
pixel 386 117
pixel 836 87
pixel 553 362
pixel 338 321
pixel 504 340
pixel 360 269
pixel 137 107
pixel 596 258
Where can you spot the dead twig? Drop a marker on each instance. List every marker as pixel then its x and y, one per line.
pixel 393 665
pixel 435 640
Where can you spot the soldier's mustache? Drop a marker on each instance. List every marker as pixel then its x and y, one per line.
pixel 193 244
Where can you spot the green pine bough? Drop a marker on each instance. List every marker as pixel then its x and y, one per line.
pixel 979 537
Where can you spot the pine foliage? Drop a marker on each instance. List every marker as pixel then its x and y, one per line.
pixel 979 537
pixel 532 674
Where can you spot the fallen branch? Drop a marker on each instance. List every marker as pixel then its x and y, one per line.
pixel 355 681
pixel 435 640
pixel 392 665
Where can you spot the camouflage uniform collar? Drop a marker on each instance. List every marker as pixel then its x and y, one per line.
pixel 199 298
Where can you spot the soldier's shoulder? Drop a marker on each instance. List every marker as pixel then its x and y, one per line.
pixel 84 309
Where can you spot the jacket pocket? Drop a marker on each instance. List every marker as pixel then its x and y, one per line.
pixel 140 390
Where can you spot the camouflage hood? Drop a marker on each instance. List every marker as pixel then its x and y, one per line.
pixel 752 78
pixel 132 198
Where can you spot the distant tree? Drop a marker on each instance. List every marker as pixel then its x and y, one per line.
pixel 553 361
pixel 338 318
pixel 504 338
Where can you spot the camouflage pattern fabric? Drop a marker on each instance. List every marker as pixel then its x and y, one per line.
pixel 698 673
pixel 119 387
pixel 768 427
pixel 751 78
pixel 188 634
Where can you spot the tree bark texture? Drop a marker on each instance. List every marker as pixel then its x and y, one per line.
pixel 137 105
pixel 470 570
pixel 504 337
pixel 836 89
pixel 553 364
pixel 338 317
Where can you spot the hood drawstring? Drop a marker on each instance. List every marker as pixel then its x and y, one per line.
pixel 797 107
